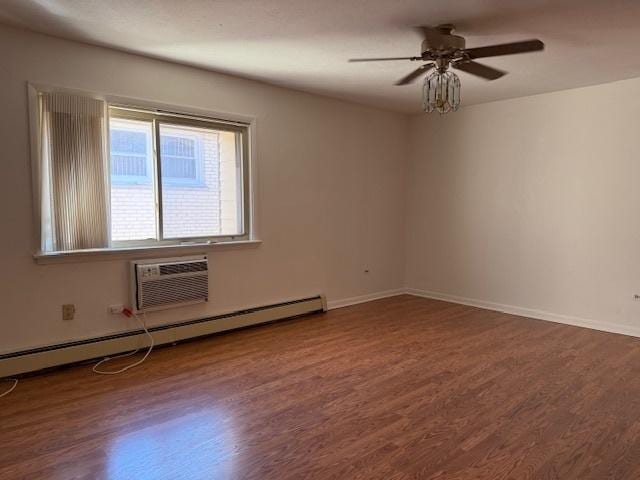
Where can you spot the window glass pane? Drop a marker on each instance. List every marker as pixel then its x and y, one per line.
pixel 133 206
pixel 128 142
pixel 200 187
pixel 230 184
pixel 128 138
pixel 180 157
pixel 128 166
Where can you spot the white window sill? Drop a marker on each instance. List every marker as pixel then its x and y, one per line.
pixel 139 252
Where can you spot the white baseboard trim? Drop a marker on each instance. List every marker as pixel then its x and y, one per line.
pixel 73 352
pixel 345 302
pixel 530 313
pixel 27 361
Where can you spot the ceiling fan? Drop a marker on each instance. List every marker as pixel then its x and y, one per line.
pixel 441 49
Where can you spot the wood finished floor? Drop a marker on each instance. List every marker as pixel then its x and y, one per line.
pixel 401 388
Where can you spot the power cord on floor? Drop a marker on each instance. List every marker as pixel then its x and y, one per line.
pixel 143 324
pixel 12 388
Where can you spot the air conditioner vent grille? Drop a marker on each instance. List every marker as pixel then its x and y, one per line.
pixel 190 267
pixel 174 290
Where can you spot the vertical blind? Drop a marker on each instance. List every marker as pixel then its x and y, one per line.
pixel 74 169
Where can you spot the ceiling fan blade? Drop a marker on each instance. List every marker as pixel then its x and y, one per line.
pixel 415 74
pixel 480 70
pixel 384 59
pixel 505 49
pixel 430 34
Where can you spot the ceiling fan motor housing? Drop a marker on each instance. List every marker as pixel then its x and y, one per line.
pixel 445 43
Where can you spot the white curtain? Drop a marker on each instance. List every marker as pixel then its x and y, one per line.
pixel 74 172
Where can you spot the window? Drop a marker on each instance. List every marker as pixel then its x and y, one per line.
pixel 167 179
pixel 182 158
pixel 133 193
pixel 131 151
pixel 195 186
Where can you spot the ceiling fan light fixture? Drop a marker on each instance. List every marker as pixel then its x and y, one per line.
pixel 441 92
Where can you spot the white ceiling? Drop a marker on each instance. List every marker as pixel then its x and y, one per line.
pixel 305 44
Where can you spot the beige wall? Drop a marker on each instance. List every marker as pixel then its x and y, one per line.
pixel 532 202
pixel 330 199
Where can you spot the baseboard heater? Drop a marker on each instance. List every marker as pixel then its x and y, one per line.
pixel 77 351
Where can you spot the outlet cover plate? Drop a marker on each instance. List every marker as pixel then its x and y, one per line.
pixel 68 311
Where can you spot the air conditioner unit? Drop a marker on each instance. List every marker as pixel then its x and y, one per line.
pixel 169 282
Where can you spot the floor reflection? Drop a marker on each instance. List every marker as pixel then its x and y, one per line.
pixel 191 446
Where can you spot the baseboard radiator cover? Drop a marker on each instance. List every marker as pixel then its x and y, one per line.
pixel 32 360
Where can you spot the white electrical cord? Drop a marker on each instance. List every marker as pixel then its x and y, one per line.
pixel 15 384
pixel 124 369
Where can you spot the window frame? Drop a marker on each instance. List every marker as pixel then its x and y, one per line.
pixel 159 117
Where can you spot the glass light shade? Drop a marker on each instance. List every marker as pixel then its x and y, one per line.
pixel 441 92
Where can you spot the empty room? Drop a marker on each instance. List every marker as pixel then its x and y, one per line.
pixel 319 239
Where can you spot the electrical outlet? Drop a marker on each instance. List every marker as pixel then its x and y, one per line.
pixel 116 309
pixel 68 311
